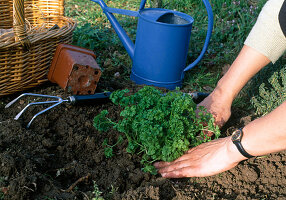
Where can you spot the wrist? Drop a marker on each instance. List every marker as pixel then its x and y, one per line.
pixel 233 152
pixel 225 88
pixel 224 94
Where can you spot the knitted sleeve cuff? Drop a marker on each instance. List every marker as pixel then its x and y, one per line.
pixel 266 36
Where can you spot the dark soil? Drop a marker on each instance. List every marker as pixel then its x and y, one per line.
pixel 61 157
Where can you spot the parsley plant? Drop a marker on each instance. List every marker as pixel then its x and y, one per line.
pixel 158 126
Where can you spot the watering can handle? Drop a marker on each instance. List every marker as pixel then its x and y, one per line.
pixel 208 37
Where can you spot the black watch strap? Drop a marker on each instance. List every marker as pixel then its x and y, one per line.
pixel 241 149
pixel 237 142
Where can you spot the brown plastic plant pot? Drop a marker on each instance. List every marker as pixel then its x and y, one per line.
pixel 74 69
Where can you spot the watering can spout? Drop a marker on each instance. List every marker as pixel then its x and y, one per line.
pixel 126 41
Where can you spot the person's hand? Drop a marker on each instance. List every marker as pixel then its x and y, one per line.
pixel 218 104
pixel 204 160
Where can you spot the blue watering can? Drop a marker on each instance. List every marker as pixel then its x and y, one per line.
pixel 161 47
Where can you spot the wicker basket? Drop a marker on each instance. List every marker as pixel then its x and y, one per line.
pixel 32 30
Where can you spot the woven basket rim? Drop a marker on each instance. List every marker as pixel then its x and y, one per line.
pixel 7 40
pixel 29 41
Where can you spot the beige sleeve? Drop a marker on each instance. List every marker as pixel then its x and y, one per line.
pixel 266 35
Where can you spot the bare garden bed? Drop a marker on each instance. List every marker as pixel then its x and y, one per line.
pixel 61 157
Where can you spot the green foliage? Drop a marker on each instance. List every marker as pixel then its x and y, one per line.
pixel 91 37
pixel 271 95
pixel 108 149
pixel 102 123
pixel 96 192
pixel 202 80
pixel 160 126
pixel 156 3
pixel 93 29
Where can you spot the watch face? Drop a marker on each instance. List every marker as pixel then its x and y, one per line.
pixel 236 135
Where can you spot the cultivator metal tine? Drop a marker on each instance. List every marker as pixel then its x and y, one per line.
pixel 55 103
pixel 41 112
pixel 31 104
pixel 14 100
pixel 31 94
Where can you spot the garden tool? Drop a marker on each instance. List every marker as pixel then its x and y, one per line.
pixel 160 51
pixel 55 101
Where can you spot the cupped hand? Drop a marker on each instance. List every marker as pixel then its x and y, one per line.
pixel 204 160
pixel 219 105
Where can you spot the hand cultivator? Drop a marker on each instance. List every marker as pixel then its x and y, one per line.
pixel 55 101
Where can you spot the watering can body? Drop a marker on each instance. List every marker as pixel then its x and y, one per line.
pixel 161 47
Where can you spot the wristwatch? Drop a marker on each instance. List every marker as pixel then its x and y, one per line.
pixel 236 139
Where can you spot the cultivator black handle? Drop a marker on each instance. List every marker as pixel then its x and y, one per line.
pixel 104 96
pixel 196 96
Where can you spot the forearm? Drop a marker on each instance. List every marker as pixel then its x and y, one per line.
pixel 266 134
pixel 246 65
pixel 266 42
